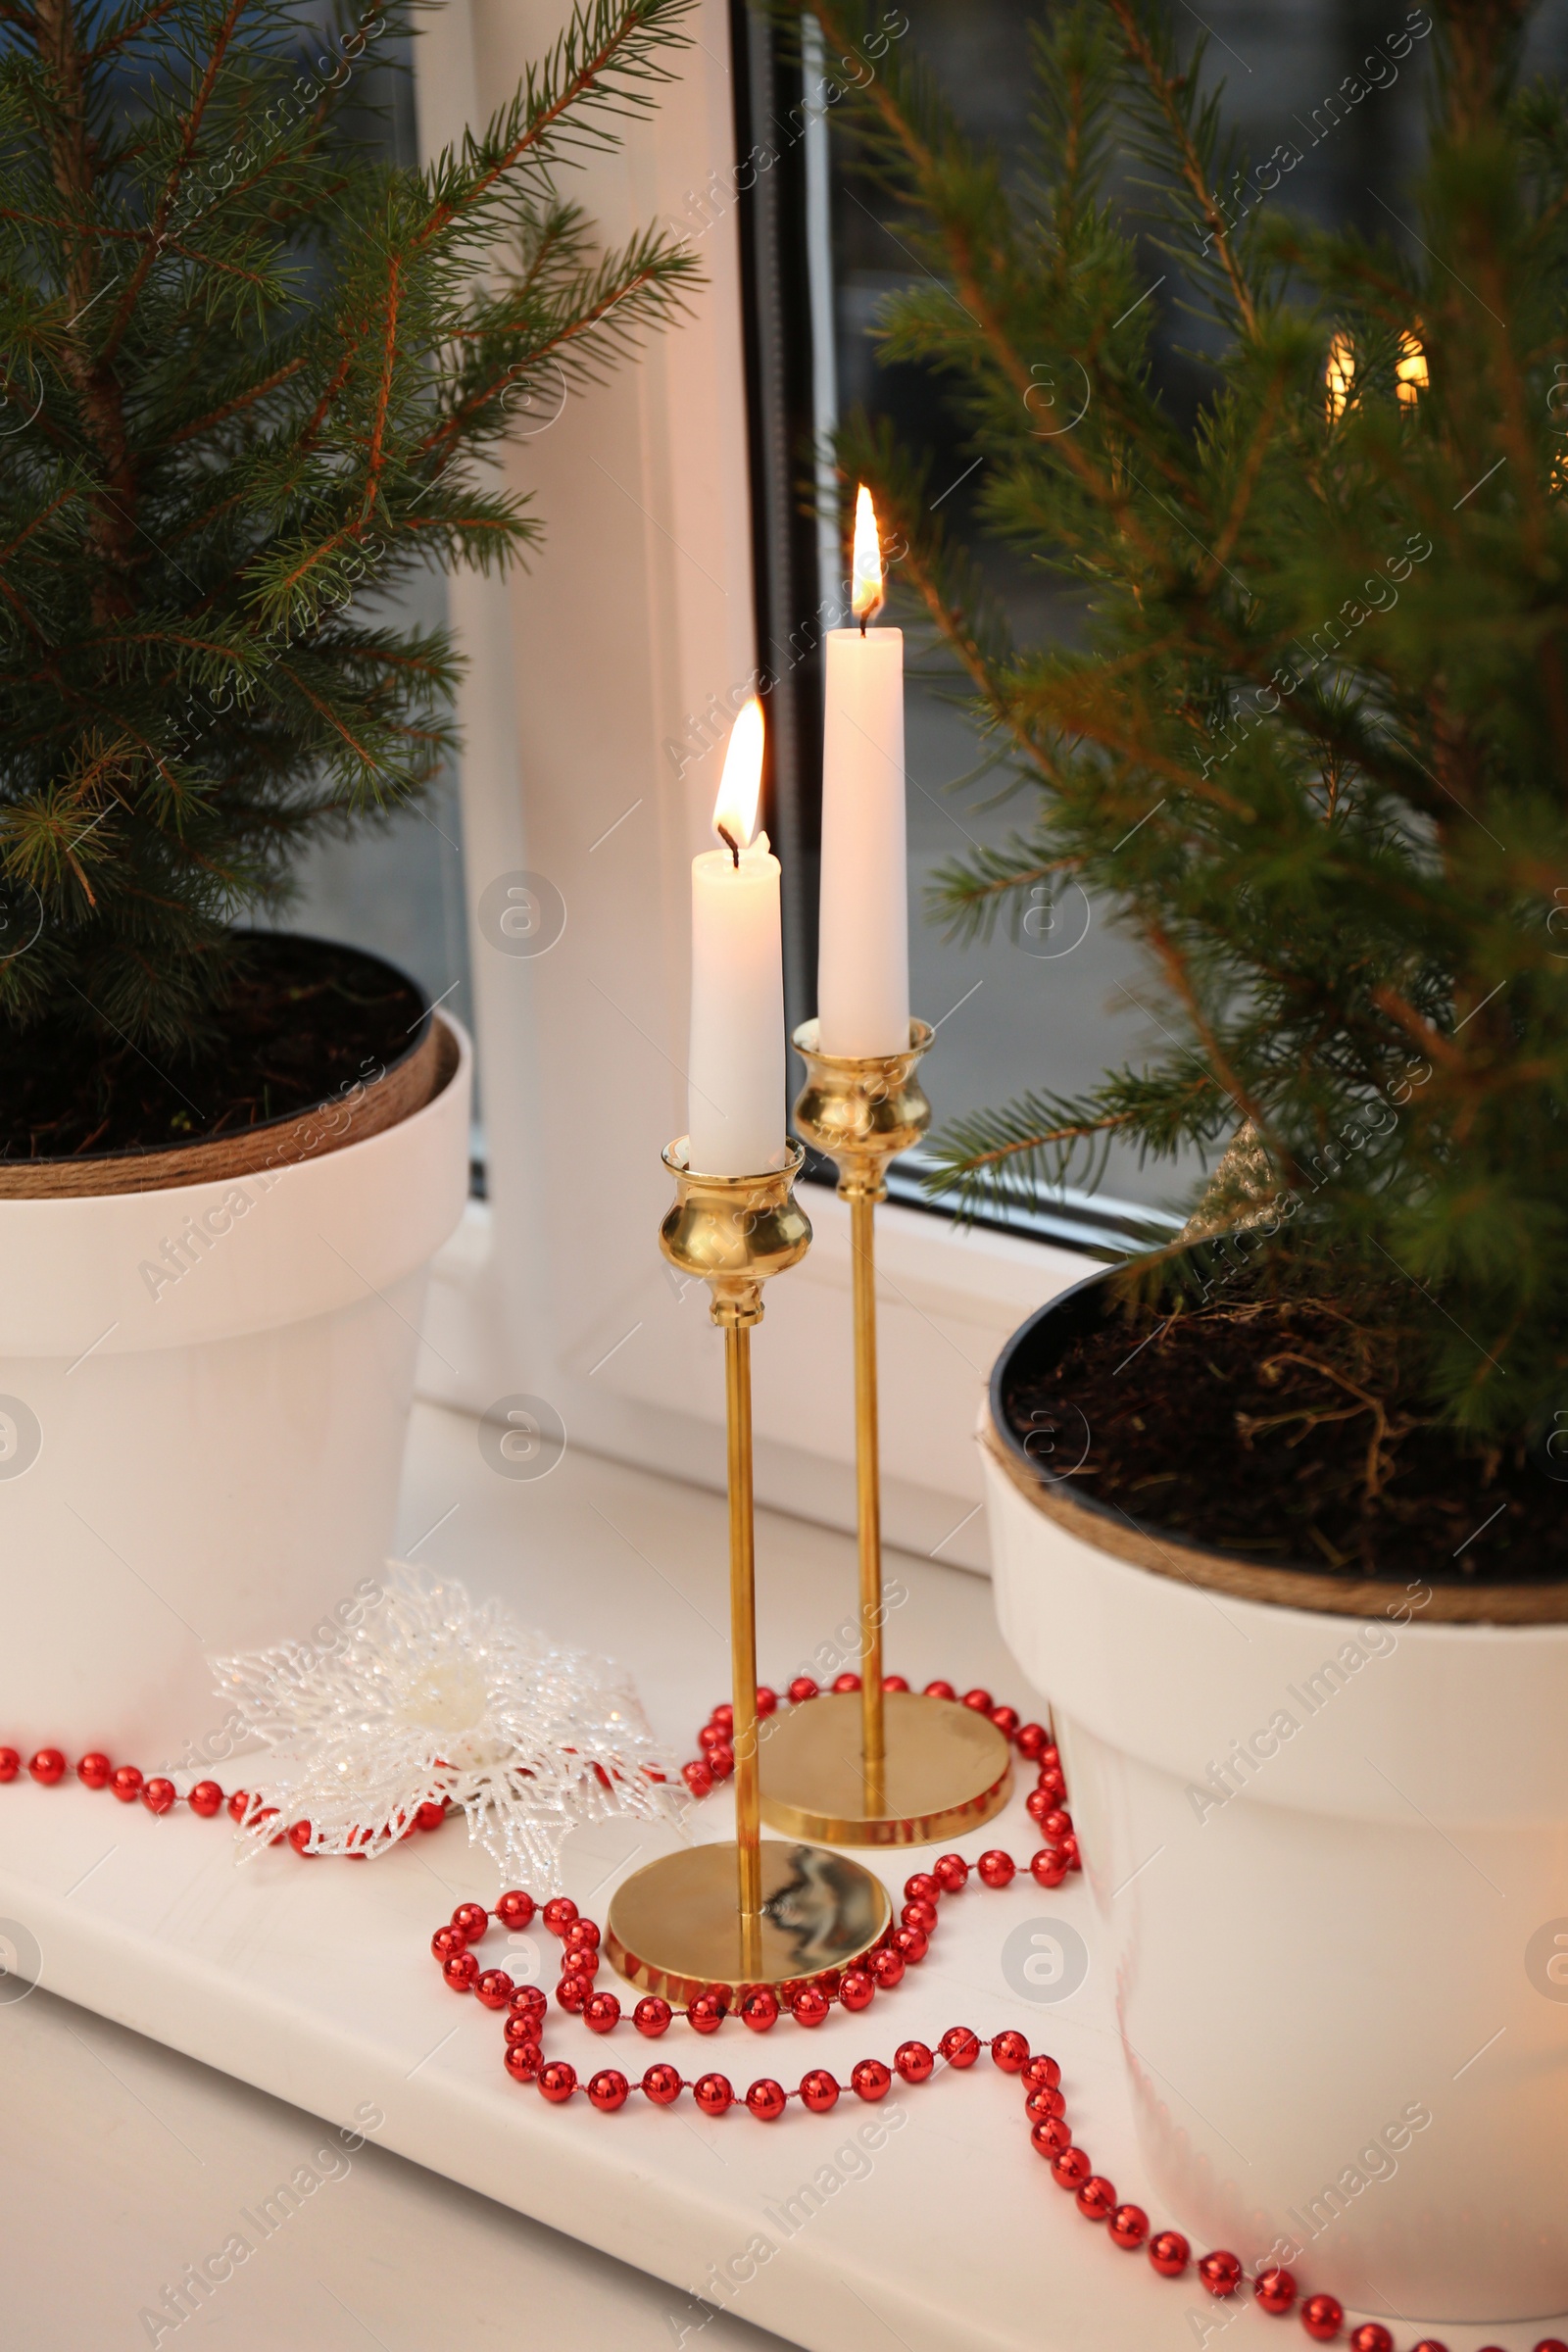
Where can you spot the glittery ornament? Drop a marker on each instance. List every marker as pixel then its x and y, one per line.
pixel 431 1699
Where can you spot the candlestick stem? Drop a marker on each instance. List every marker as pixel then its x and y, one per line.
pixel 743 1632
pixel 868 1485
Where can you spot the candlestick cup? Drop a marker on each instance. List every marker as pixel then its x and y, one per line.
pixel 749 1912
pixel 880 1768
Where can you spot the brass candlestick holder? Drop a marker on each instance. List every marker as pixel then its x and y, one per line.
pixel 888 1768
pixel 720 1918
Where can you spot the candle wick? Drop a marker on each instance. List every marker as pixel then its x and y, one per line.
pixel 863 618
pixel 730 843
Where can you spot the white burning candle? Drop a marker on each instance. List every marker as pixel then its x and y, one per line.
pixel 863 970
pixel 735 1075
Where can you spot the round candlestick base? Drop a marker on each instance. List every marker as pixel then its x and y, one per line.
pixel 675 1929
pixel 945 1769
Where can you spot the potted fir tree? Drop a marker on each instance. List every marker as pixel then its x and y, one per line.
pixel 251 373
pixel 1277 1513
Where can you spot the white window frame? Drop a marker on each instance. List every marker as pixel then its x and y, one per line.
pixel 581 673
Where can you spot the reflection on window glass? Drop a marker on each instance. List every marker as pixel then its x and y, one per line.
pixel 1055 1003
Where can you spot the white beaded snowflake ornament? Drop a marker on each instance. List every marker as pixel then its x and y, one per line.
pixel 432 1701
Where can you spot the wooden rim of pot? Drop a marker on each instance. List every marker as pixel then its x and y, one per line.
pixel 1108 1528
pixel 365 1109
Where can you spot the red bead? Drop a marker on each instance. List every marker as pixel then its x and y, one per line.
pixel 996 1868
pixel 1430 2343
pixel 912 1946
pixel 913 2062
pixel 920 1915
pixel 10 1763
pixel 205 1798
pixel 652 2015
pixel 1051 2136
pixel 697 1779
pixel 523 2061
pixel 721 1762
pixel 1048 1867
pixel 608 2090
pixel 601 2013
pixel 802 1688
pixel 887 1968
pixel 529 2001
pixel 952 1873
pixel 725 1716
pixel 460 1971
pixel 820 2090
pixel 843 1683
pixel 1011 2051
pixel 1038 1803
pixel 125 1784
pixel 760 2009
pixel 1170 2253
pixel 514 1910
pixel 939 1690
pixel 1006 1720
pixel 857 1988
pixel 300 1832
pixel 493 1987
pixel 431 1814
pixel 766 1700
pixel 661 2084
pixel 1043 2102
pixel 557 2079
pixel 522 2028
pixel 1128 2227
pixel 766 2100
pixel 574 1987
pixel 158 1795
pixel 92 1770
pixel 581 1935
pixel 711 1736
pixel 1549 2343
pixel 1322 2316
pixel 713 2094
pixel 923 1887
pixel 1056 1823
pixel 1069 1846
pixel 893 1682
pixel 706 2014
pixel 1072 2169
pixel 559 1914
pixel 870 2080
pixel 1051 1783
pixel 47 1766
pixel 1372 2337
pixel 470 1920
pixel 1041 2073
pixel 237 1804
pixel 809 2006
pixel 1275 2289
pixel 1029 1739
pixel 447 1940
pixel 1097 2199
pixel 979 1699
pixel 959 2048
pixel 1220 2272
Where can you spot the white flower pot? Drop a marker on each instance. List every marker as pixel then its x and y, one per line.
pixel 1343 1989
pixel 206 1461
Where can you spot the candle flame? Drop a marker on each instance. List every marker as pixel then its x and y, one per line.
pixel 868 595
pixel 740 788
pixel 1340 378
pixel 1411 376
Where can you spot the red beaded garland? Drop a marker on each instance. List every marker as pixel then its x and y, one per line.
pixel 1220 2272
pixel 1170 2253
pixel 766 2100
pixel 1128 2227
pixel 1322 2316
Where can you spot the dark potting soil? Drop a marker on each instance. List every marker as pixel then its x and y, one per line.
pixel 1272 1429
pixel 305 1019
